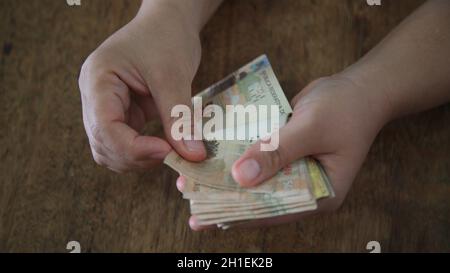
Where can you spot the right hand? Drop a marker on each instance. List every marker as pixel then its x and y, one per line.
pixel 136 75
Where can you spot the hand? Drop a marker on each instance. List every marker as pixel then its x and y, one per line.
pixel 137 75
pixel 335 120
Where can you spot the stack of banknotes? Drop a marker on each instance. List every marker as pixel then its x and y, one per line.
pixel 215 197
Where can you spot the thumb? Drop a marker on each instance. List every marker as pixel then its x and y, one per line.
pixel 166 98
pixel 256 166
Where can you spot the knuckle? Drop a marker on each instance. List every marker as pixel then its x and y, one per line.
pixel 98 159
pixel 272 161
pixel 94 65
pixel 275 159
pixel 82 76
pixel 93 61
pixel 85 69
pixel 119 170
pixel 95 146
pixel 96 133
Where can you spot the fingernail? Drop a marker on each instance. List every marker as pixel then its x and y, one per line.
pixel 195 146
pixel 248 170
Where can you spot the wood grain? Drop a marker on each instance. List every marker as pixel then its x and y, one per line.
pixel 52 192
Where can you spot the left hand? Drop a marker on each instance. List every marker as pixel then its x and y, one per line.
pixel 335 120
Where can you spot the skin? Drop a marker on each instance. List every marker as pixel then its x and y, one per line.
pixel 137 75
pixel 335 120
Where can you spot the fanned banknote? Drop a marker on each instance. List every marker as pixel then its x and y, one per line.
pixel 215 198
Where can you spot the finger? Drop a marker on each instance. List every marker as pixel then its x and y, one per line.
pixel 145 164
pixel 118 167
pixel 166 96
pixel 105 102
pixel 194 224
pixel 99 140
pixel 127 146
pixel 104 161
pixel 296 140
pixel 181 183
pixel 117 140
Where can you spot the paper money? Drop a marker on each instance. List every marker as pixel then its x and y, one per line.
pixel 215 197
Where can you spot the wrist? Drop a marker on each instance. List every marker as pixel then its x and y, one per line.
pixel 193 13
pixel 374 95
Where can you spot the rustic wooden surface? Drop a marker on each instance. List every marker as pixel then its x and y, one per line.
pixel 51 191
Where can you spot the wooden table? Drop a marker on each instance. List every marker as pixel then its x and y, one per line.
pixel 52 192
